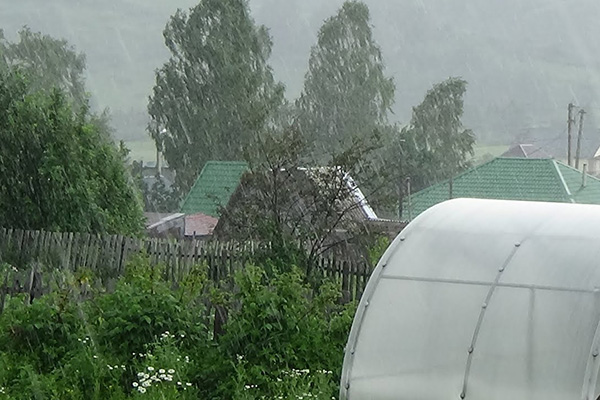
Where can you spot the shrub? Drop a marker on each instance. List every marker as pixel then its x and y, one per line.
pixel 142 307
pixel 277 325
pixel 146 339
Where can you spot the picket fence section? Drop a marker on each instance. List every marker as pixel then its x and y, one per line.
pixel 107 255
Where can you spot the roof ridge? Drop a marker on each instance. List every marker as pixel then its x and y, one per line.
pixel 225 162
pixel 523 159
pixel 567 190
pixel 578 171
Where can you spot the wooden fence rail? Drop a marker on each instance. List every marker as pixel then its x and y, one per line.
pixel 107 255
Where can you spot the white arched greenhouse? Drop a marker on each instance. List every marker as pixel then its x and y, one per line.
pixel 482 300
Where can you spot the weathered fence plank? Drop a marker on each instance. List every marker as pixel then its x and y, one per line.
pixel 110 254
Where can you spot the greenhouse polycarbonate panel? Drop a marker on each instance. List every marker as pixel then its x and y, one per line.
pixel 460 248
pixel 533 342
pixel 435 255
pixel 500 299
pixel 429 325
pixel 543 261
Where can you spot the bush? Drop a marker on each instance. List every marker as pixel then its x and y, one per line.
pixel 146 339
pixel 142 307
pixel 277 325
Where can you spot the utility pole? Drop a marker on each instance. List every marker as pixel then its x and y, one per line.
pixel 408 190
pixel 569 124
pixel 577 153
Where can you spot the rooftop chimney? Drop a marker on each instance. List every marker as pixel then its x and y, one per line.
pixel 584 176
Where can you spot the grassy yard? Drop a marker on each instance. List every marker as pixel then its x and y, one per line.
pixel 495 151
pixel 144 150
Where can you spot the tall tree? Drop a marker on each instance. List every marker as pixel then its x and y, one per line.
pixel 285 201
pixel 217 89
pixel 435 145
pixel 346 92
pixel 2 51
pixel 436 131
pixel 58 170
pixel 48 62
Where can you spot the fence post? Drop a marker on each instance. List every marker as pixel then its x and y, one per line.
pixel 3 291
pixel 345 281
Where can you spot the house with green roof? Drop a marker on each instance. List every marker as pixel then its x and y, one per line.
pixel 213 188
pixel 524 179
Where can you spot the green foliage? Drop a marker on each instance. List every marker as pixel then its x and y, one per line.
pixel 216 91
pixel 46 353
pixel 289 202
pixel 58 170
pixel 148 340
pixel 377 249
pixel 50 63
pixel 279 325
pixel 437 133
pixel 162 370
pixel 42 332
pixel 142 307
pixel 434 146
pixel 158 198
pixel 346 93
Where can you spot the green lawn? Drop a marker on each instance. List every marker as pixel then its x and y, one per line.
pixel 495 151
pixel 144 150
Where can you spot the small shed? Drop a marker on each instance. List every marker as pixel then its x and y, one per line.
pixel 483 300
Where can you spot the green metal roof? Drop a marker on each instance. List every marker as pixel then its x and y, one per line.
pixel 511 179
pixel 214 187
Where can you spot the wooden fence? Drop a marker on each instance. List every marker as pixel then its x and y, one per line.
pixel 107 256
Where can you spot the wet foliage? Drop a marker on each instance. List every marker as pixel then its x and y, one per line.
pixel 58 169
pixel 145 339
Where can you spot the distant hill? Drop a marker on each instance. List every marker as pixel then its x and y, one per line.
pixel 524 60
